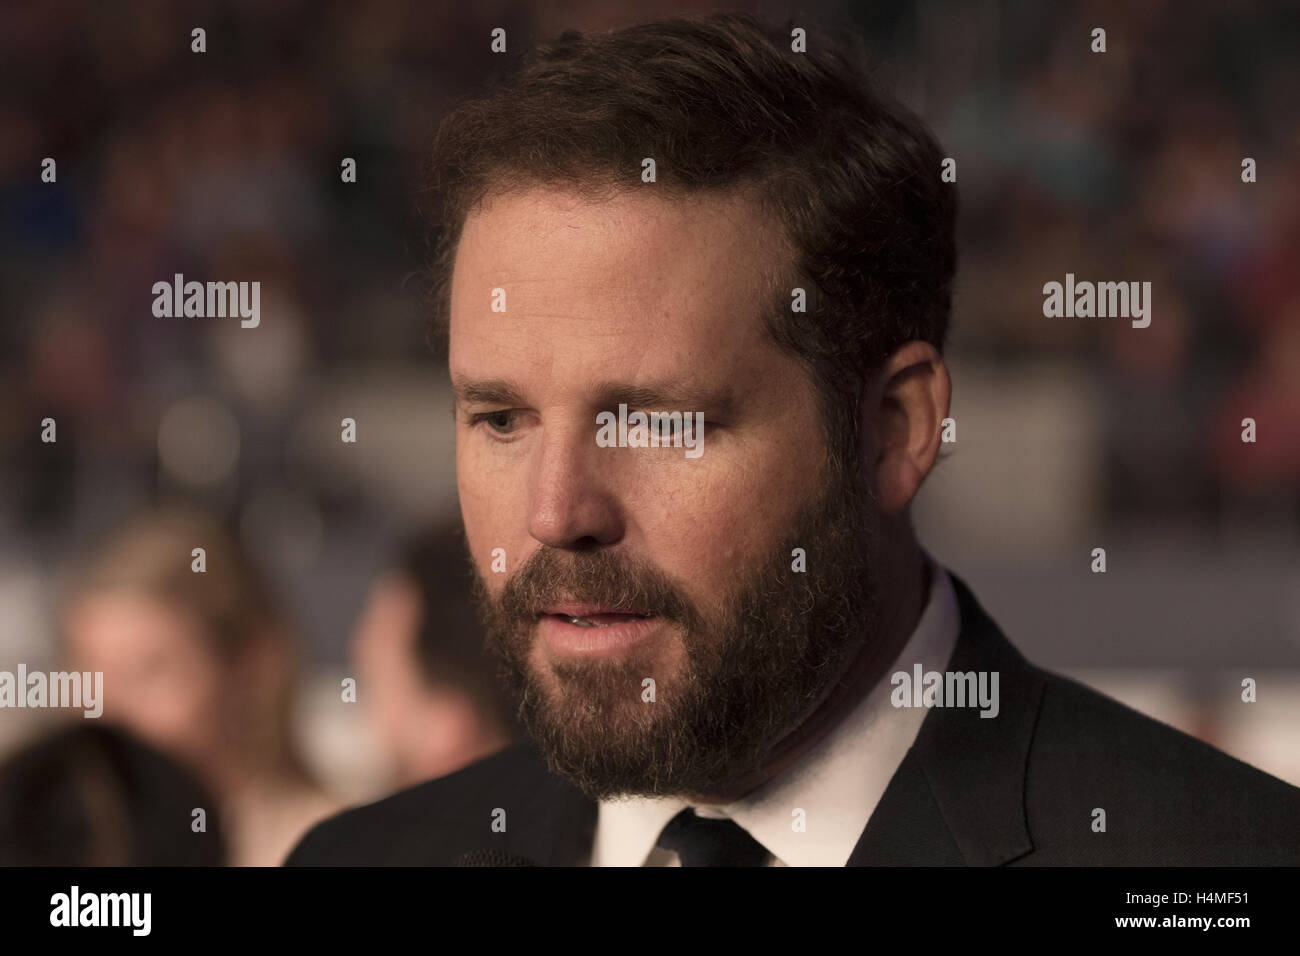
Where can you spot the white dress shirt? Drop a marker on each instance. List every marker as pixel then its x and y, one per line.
pixel 836 783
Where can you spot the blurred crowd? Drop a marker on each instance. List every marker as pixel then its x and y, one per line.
pixel 200 663
pixel 1128 165
pixel 225 165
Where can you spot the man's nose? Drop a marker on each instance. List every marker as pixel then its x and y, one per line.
pixel 573 503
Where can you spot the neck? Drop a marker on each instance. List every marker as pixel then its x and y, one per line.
pixel 905 592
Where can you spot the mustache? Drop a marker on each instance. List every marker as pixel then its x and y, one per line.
pixel 607 578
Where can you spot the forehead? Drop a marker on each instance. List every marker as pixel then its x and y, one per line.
pixel 657 276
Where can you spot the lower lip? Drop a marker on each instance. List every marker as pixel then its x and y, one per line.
pixel 592 643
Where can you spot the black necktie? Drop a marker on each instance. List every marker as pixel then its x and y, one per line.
pixel 700 841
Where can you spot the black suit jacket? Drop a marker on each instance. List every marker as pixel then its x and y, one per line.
pixel 1018 788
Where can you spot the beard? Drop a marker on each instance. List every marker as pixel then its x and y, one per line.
pixel 751 668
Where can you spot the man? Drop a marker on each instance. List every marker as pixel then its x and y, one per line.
pixel 432 696
pixel 691 217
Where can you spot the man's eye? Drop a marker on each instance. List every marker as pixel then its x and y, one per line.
pixel 677 429
pixel 501 421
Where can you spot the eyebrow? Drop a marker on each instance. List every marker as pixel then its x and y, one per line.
pixel 487 391
pixel 669 396
pixel 654 395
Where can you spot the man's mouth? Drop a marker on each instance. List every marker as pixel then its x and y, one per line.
pixel 600 620
pixel 589 631
pixel 587 615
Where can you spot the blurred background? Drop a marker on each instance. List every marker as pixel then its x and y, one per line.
pixel 341 560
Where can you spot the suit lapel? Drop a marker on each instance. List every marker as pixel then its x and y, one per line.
pixel 958 796
pixel 573 829
pixel 907 827
pixel 556 823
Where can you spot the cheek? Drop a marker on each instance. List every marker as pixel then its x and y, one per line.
pixel 705 525
pixel 493 504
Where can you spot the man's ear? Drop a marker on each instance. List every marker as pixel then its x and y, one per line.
pixel 902 408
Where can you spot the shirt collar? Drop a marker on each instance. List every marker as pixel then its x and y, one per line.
pixel 832 789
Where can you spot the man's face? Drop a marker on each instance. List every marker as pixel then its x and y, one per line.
pixel 631 565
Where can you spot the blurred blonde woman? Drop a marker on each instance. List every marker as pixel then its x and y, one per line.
pixel 200 664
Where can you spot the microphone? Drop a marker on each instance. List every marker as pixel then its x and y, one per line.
pixel 491 858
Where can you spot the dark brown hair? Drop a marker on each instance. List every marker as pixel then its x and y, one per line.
pixel 449 643
pixel 723 103
pixel 94 795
